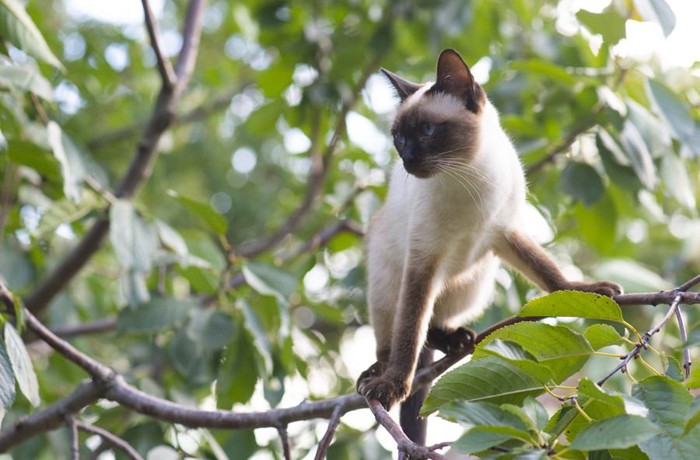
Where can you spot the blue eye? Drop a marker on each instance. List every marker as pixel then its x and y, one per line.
pixel 428 129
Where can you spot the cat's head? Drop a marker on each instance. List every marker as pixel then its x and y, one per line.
pixel 437 123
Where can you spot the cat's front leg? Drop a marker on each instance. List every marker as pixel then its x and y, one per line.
pixel 408 334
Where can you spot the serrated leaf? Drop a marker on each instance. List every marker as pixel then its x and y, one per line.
pixel 602 335
pixel 21 365
pixel 25 79
pixel 17 27
pixel 484 380
pixel 133 239
pixel 482 414
pixel 610 24
pixel 237 373
pixel 73 168
pixel 640 157
pixel 573 304
pixel 582 182
pixel 478 439
pixel 619 432
pixel 669 403
pixel 657 11
pixel 206 213
pixel 7 383
pixel 560 349
pixel 157 314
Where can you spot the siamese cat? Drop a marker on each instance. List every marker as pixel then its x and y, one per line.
pixel 454 208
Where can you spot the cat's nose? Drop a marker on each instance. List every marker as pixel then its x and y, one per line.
pixel 409 152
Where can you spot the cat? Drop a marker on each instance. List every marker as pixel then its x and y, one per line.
pixel 454 208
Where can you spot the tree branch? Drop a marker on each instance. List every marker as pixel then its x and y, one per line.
pixel 167 74
pixel 139 169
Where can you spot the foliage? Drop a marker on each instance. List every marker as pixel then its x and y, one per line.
pixel 232 275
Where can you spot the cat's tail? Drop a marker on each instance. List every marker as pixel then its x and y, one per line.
pixel 411 422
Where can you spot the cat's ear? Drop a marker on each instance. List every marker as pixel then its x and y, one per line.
pixel 404 88
pixel 454 77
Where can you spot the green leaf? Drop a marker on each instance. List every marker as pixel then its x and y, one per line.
pixel 133 240
pixel 610 24
pixel 655 133
pixel 617 432
pixel 693 417
pixel 237 373
pixel 7 383
pixel 573 304
pixel 21 365
pixel 676 113
pixel 668 403
pixel 25 79
pixel 479 439
pixel 582 182
pixel 536 412
pixel 483 414
pixel 631 275
pixel 67 211
pixel 171 239
pixel 560 349
pixel 18 28
pixel 31 155
pixel 157 314
pixel 541 67
pixel 598 223
pixel 674 174
pixel 259 334
pixel 602 335
pixel 484 380
pixel 73 168
pixel 206 213
pixel 657 11
pixel 270 280
pixel 211 328
pixel 639 155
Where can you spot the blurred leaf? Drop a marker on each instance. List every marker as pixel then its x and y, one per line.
pixel 693 416
pixel 259 335
pixel 669 403
pixel 31 155
pixel 66 212
pixel 25 79
pixel 598 224
pixel 171 238
pixel 237 373
pixel 582 182
pixel 657 11
pixel 133 239
pixel 157 314
pixel 536 412
pixel 676 113
pixel 18 28
pixel 602 335
pixel 617 432
pixel 73 168
pixel 270 280
pixel 211 328
pixel 7 383
pixel 484 380
pixel 21 365
pixel 540 67
pixel 133 289
pixel 655 133
pixel 674 174
pixel 206 213
pixel 639 155
pixel 631 275
pixel 478 439
pixel 610 24
pixel 573 304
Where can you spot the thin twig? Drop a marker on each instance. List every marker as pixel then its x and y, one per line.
pixel 690 283
pixel 284 438
pixel 644 342
pixel 74 441
pixel 330 432
pixel 109 438
pixel 96 327
pixel 167 74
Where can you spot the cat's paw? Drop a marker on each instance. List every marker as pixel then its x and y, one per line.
pixel 606 288
pixel 372 371
pixel 450 342
pixel 385 389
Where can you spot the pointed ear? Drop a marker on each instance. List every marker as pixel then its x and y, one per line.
pixel 404 88
pixel 454 77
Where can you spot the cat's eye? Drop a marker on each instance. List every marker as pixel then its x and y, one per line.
pixel 428 129
pixel 399 139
